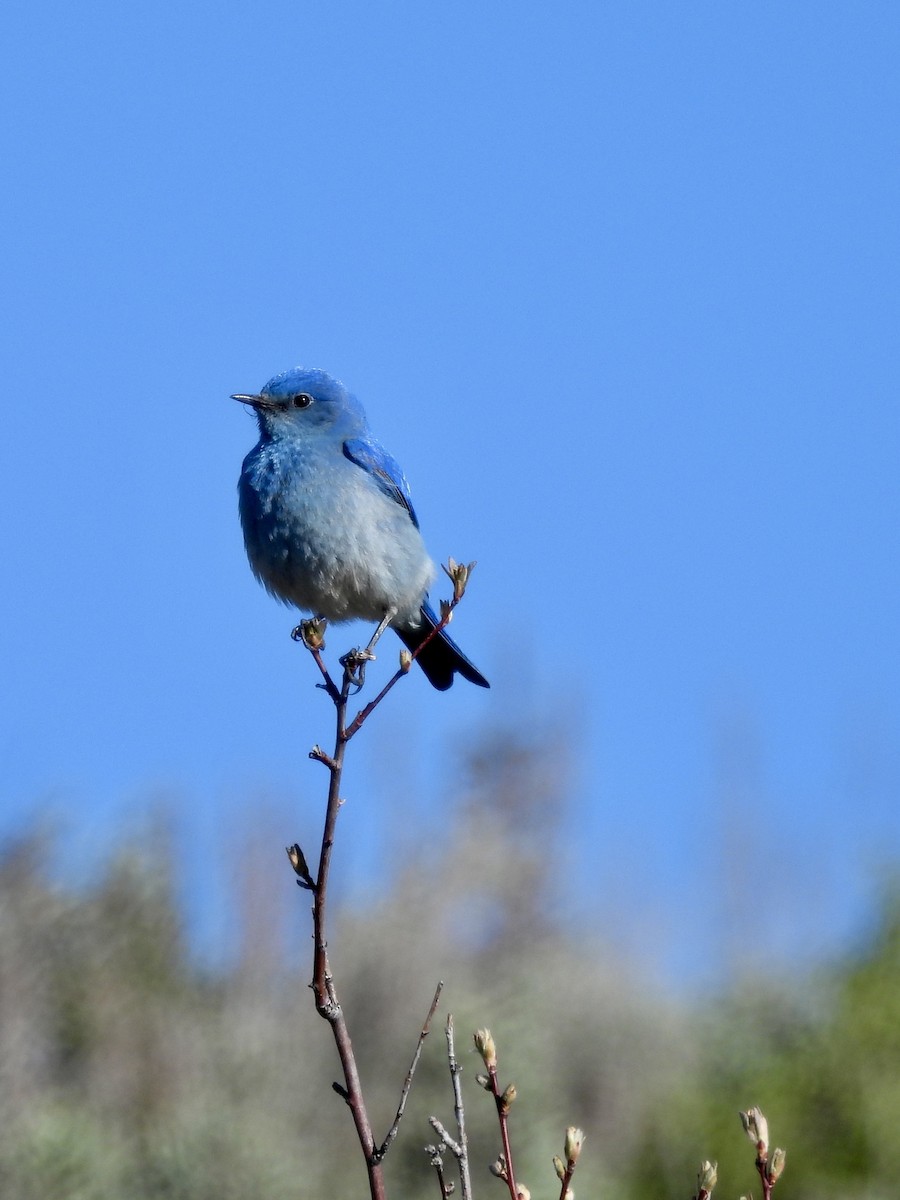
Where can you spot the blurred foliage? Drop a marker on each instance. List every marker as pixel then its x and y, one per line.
pixel 128 1072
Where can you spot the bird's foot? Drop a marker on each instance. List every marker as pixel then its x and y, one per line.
pixel 311 633
pixel 354 664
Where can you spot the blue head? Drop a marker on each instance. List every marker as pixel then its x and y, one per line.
pixel 302 403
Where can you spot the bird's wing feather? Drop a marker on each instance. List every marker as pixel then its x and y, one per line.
pixel 372 457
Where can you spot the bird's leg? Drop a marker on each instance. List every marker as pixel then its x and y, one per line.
pixel 382 626
pixel 354 663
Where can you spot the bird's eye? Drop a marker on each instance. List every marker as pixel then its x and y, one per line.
pixel 301 400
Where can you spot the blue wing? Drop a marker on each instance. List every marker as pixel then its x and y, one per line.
pixel 441 658
pixel 372 457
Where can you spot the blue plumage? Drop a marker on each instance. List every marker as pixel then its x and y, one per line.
pixel 328 520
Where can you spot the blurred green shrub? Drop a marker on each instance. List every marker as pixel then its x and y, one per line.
pixel 129 1072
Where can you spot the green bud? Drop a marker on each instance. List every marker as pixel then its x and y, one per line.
pixel 301 867
pixel 706 1178
pixel 756 1128
pixel 298 860
pixel 484 1044
pixel 776 1164
pixel 574 1139
pixel 459 576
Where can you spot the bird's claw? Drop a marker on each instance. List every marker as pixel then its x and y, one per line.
pixel 354 664
pixel 311 633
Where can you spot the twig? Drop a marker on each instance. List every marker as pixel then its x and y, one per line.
pixel 566 1180
pixel 327 1004
pixel 407 1083
pixel 462 1152
pixel 566 1169
pixel 311 634
pixel 768 1183
pixel 445 1137
pixel 769 1167
pixel 436 1160
pixel 503 1115
pixel 366 711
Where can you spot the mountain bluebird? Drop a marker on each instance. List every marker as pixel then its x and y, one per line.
pixel 328 521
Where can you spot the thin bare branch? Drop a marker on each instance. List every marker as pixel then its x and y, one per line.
pixel 310 633
pixel 364 713
pixel 407 1083
pixel 436 1160
pixel 445 1137
pixel 503 1117
pixel 327 1004
pixel 459 1112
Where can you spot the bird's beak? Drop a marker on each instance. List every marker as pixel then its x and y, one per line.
pixel 253 401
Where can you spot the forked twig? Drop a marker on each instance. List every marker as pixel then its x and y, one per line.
pixel 311 634
pixel 407 1083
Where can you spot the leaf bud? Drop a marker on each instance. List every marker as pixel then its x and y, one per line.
pixel 498 1167
pixel 312 633
pixel 706 1179
pixel 574 1139
pixel 756 1128
pixel 459 576
pixel 298 860
pixel 776 1164
pixel 300 865
pixel 484 1044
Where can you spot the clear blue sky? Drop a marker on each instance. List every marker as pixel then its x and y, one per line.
pixel 617 283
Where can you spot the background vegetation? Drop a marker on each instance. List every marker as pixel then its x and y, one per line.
pixel 129 1070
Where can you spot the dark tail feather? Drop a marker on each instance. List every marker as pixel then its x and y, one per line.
pixel 441 658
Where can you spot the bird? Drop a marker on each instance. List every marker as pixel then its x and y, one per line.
pixel 328 520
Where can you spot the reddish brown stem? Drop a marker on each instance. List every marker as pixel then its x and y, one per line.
pixel 762 1166
pixel 365 712
pixel 327 1004
pixel 503 1117
pixel 329 682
